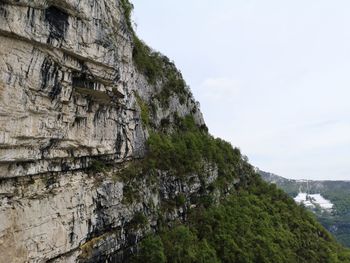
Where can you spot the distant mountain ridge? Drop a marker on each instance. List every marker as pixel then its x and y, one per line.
pixel 314 186
pixel 329 200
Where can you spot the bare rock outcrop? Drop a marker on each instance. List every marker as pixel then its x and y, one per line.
pixel 69 94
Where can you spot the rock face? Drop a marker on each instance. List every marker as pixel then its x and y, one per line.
pixel 69 95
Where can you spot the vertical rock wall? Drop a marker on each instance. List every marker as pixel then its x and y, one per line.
pixel 66 80
pixel 67 99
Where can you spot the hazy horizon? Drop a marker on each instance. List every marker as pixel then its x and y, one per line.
pixel 272 77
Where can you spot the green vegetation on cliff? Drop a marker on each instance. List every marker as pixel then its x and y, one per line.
pixel 185 150
pixel 238 217
pixel 157 67
pixel 257 224
pixel 188 149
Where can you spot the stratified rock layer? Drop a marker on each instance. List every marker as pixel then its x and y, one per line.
pixel 65 92
pixel 68 98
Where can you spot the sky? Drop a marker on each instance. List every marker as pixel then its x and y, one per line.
pixel 272 77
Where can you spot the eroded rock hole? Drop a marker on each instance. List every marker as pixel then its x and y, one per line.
pixel 58 21
pixel 82 81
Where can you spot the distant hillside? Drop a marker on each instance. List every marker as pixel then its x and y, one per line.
pixel 315 196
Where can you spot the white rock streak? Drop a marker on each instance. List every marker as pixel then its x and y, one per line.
pixel 312 200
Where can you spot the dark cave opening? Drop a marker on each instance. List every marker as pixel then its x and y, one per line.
pixel 58 21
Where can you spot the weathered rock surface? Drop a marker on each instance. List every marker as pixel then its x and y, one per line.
pixel 76 216
pixel 67 98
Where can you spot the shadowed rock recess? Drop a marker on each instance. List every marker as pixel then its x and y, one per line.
pixel 102 144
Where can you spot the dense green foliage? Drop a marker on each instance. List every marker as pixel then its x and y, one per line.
pixel 338 222
pixel 338 192
pixel 185 150
pixel 148 62
pixel 256 224
pixel 338 225
pixel 151 251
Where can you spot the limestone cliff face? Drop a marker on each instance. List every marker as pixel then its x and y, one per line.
pixel 69 97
